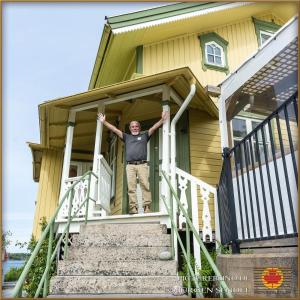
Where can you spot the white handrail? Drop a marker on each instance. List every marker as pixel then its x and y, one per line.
pixel 205 190
pixel 105 164
pixel 196 180
pixel 104 185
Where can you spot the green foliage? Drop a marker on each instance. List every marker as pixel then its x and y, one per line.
pixel 223 249
pixel 39 264
pixel 204 272
pixel 17 256
pixel 13 274
pixel 5 240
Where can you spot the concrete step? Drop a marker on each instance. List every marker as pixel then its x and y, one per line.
pixel 115 253
pixel 119 296
pixel 121 240
pixel 142 228
pixel 117 268
pixel 114 285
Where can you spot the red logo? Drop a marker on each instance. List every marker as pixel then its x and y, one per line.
pixel 272 278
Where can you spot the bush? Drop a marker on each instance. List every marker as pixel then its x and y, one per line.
pixel 205 271
pixel 39 264
pixel 13 274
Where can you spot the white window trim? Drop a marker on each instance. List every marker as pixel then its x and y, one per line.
pixel 222 54
pixel 249 127
pixel 269 33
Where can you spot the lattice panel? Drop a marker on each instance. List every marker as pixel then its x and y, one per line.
pixel 278 69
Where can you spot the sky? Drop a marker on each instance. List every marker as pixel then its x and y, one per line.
pixel 48 51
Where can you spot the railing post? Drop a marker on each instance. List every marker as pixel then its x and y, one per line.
pixel 88 199
pixel 188 251
pixel 230 196
pixel 48 263
pixel 68 224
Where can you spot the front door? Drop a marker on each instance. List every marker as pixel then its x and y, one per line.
pixel 155 159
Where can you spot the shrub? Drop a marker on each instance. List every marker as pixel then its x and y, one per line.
pixel 39 264
pixel 13 274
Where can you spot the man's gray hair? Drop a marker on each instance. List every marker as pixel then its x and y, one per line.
pixel 135 122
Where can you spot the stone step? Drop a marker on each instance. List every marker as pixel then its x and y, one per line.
pixel 115 253
pixel 119 296
pixel 142 228
pixel 114 285
pixel 115 239
pixel 117 268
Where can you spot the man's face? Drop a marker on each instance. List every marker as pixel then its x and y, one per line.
pixel 134 128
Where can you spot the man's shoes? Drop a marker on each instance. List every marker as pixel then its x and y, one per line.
pixel 147 209
pixel 133 211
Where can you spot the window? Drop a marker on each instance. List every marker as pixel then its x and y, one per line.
pixel 264 36
pixel 214 52
pixel 241 126
pixel 264 30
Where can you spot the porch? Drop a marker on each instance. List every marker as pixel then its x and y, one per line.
pixel 89 146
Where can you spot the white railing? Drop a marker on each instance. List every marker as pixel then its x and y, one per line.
pixel 78 194
pixel 104 173
pixel 100 193
pixel 205 192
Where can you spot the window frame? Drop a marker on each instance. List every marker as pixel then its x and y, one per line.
pixel 248 121
pixel 265 33
pixel 222 54
pixel 214 38
pixel 264 26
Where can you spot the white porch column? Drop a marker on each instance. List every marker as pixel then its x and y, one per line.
pixel 223 122
pixel 98 138
pixel 68 151
pixel 97 151
pixel 165 191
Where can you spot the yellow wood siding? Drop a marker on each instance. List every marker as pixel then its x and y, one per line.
pixel 185 50
pixel 48 190
pixel 205 153
pixel 284 134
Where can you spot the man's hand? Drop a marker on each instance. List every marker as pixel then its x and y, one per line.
pixel 101 117
pixel 164 116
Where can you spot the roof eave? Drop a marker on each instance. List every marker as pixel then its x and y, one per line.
pixel 105 39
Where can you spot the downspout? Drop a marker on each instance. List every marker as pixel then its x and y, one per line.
pixel 173 150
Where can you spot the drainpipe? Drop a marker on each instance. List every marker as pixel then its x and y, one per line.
pixel 173 151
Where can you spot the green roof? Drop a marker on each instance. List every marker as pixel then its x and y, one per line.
pixel 157 13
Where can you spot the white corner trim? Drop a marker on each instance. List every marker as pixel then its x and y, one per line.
pixel 179 17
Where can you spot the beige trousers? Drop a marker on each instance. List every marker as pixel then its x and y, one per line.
pixel 142 172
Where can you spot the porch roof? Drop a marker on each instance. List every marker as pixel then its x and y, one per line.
pixel 53 114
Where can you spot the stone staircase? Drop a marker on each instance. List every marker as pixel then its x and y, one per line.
pixel 118 260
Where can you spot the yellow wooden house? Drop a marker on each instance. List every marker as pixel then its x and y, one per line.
pixel 149 61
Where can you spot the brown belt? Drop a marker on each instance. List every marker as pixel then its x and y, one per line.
pixel 137 162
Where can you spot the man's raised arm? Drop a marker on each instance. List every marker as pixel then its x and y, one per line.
pixel 113 128
pixel 164 117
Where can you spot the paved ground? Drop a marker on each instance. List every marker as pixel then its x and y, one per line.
pixel 7 293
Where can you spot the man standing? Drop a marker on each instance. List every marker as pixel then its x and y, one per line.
pixel 136 159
